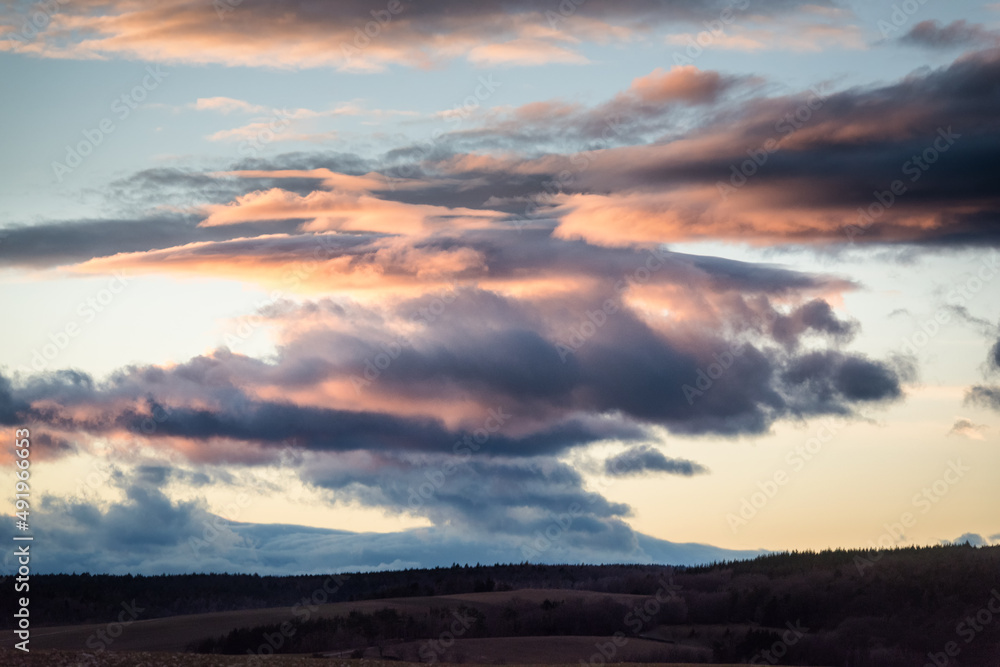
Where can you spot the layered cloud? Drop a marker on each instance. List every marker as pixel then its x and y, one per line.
pixel 460 402
pixel 907 162
pixel 456 320
pixel 435 306
pixel 356 35
pixel 552 357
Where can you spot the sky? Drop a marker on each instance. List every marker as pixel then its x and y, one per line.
pixel 310 287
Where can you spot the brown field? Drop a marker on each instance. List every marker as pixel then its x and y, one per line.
pixel 550 651
pixel 175 633
pixel 162 641
pixel 51 658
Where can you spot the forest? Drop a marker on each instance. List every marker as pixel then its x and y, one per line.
pixel 843 607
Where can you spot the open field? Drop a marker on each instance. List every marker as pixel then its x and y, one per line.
pixel 551 650
pixel 176 633
pixel 162 641
pixel 51 658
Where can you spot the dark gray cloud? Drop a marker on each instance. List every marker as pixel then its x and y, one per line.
pixel 482 489
pixel 643 459
pixel 148 533
pixel 983 395
pixel 854 143
pixel 272 424
pixel 73 241
pixel 987 396
pixel 816 316
pixel 158 474
pixel 220 384
pixel 9 406
pixel 957 34
pixel 534 359
pixel 822 376
pixel 967 428
pixel 147 522
pixel 529 358
pixel 175 186
pixel 652 105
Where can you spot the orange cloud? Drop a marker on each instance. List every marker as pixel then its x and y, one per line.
pixel 330 180
pixel 227 105
pixel 349 35
pixel 525 52
pixel 763 214
pixel 346 211
pixel 684 82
